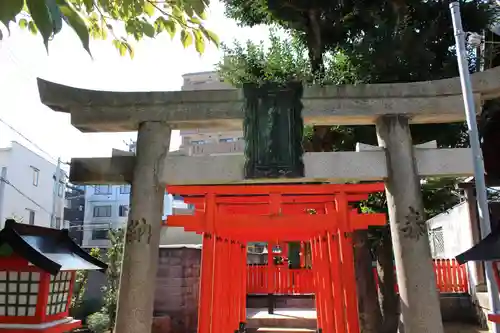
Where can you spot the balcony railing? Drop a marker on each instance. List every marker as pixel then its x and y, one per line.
pixel 216 148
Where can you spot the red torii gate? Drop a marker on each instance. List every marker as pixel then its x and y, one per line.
pixel 229 216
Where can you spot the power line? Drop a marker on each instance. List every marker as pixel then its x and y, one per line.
pixel 27 139
pixel 24 195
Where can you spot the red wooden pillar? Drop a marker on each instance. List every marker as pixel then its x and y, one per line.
pixel 303 254
pixel 225 278
pixel 229 291
pixel 328 314
pixel 337 282
pixel 243 308
pixel 206 284
pixel 270 268
pixel 347 255
pixel 217 324
pixel 335 268
pixel 318 285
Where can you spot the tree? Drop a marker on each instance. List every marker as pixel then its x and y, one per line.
pixel 104 320
pixel 81 280
pixel 100 18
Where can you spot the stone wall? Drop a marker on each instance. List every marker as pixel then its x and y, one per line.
pixel 177 284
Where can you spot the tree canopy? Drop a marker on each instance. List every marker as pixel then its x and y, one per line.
pixel 120 19
pixel 393 41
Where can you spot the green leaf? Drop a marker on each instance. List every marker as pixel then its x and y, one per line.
pixel 170 27
pixel 211 36
pixel 89 5
pixel 198 7
pixel 203 15
pixel 130 50
pixel 186 38
pixel 199 42
pixel 55 15
pixel 122 49
pixel 32 28
pixel 76 22
pixel 41 16
pixel 149 9
pixel 148 29
pixel 195 20
pixel 23 23
pixel 9 9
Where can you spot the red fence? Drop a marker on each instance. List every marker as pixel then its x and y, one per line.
pixel 283 280
pixel 450 278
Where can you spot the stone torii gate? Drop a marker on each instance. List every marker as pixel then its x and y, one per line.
pixel 391 107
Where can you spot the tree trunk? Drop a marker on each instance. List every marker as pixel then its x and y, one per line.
pixel 370 318
pixel 388 297
pixel 142 238
pixel 420 309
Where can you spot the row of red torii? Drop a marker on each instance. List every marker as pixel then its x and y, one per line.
pixel 230 216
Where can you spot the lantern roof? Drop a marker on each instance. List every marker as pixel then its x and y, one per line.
pixel 49 249
pixel 488 249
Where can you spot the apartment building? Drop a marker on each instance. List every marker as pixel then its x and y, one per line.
pixel 107 207
pixel 213 141
pixel 28 189
pixel 74 211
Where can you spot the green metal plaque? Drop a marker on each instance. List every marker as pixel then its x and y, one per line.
pixel 273 129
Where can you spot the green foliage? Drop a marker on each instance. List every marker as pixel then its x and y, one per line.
pixel 81 284
pixel 98 322
pixel 285 60
pixel 114 261
pixel 100 18
pixel 391 41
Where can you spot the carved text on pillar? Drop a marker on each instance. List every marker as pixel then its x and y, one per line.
pixel 138 231
pixel 413 226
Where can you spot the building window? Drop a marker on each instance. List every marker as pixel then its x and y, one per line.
pixel 436 239
pixel 123 210
pixel 18 293
pixel 102 189
pixel 99 234
pixel 199 142
pixel 227 140
pixel 60 189
pixel 102 211
pixel 36 175
pixel 31 216
pixel 125 189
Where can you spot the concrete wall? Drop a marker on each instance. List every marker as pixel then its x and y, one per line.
pixel 177 284
pixel 21 163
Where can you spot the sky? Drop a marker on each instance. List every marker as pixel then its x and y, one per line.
pixel 158 65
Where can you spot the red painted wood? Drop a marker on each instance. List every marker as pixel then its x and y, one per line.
pixel 276 214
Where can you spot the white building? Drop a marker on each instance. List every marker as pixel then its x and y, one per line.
pixel 107 207
pixel 214 141
pixel 27 187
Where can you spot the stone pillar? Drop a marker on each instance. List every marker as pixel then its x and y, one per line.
pixel 142 239
pixel 420 310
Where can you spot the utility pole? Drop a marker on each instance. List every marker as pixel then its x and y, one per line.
pixel 2 193
pixel 55 193
pixel 482 199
